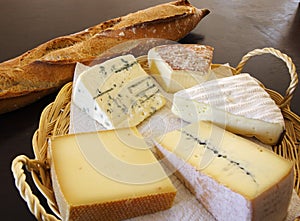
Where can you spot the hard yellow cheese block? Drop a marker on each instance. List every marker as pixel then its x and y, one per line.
pixel 108 175
pixel 234 178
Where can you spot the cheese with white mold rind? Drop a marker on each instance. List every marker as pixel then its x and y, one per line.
pixel 238 103
pixel 85 191
pixel 234 178
pixel 117 93
pixel 180 66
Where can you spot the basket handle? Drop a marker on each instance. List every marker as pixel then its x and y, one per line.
pixel 25 191
pixel 289 63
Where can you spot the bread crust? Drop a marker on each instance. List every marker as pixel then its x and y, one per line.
pixel 49 66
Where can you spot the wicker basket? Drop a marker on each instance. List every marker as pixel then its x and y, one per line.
pixel 55 121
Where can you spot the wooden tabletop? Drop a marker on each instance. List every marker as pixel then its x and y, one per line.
pixel 233 28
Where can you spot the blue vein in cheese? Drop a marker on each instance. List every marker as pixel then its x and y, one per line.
pixel 117 93
pixel 218 153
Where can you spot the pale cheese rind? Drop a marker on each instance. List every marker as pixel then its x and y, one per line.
pixel 117 93
pixel 180 66
pixel 238 103
pixel 85 190
pixel 234 178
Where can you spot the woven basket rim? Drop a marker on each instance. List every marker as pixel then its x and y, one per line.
pixel 55 121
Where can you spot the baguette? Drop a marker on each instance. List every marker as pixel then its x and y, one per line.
pixel 46 68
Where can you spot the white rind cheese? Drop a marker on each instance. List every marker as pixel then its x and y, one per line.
pixel 117 93
pixel 238 103
pixel 180 66
pixel 234 178
pixel 108 175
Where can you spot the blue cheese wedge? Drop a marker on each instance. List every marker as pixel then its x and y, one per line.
pixel 117 93
pixel 238 103
pixel 234 178
pixel 180 66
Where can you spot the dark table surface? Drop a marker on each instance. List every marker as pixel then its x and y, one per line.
pixel 233 28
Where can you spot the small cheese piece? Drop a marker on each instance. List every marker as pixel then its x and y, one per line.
pixel 180 66
pixel 238 103
pixel 234 178
pixel 117 93
pixel 108 175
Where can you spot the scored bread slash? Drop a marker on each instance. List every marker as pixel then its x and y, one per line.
pixel 180 66
pixel 46 68
pixel 237 103
pixel 171 21
pixel 234 178
pixel 117 93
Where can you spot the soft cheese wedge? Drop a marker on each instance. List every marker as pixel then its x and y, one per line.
pixel 180 66
pixel 108 175
pixel 234 178
pixel 117 93
pixel 238 103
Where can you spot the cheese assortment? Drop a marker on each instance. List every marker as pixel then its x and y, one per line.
pixel 113 175
pixel 107 175
pixel 234 178
pixel 237 103
pixel 180 66
pixel 117 93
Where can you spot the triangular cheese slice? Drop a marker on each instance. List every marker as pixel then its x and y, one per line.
pixel 234 178
pixel 238 103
